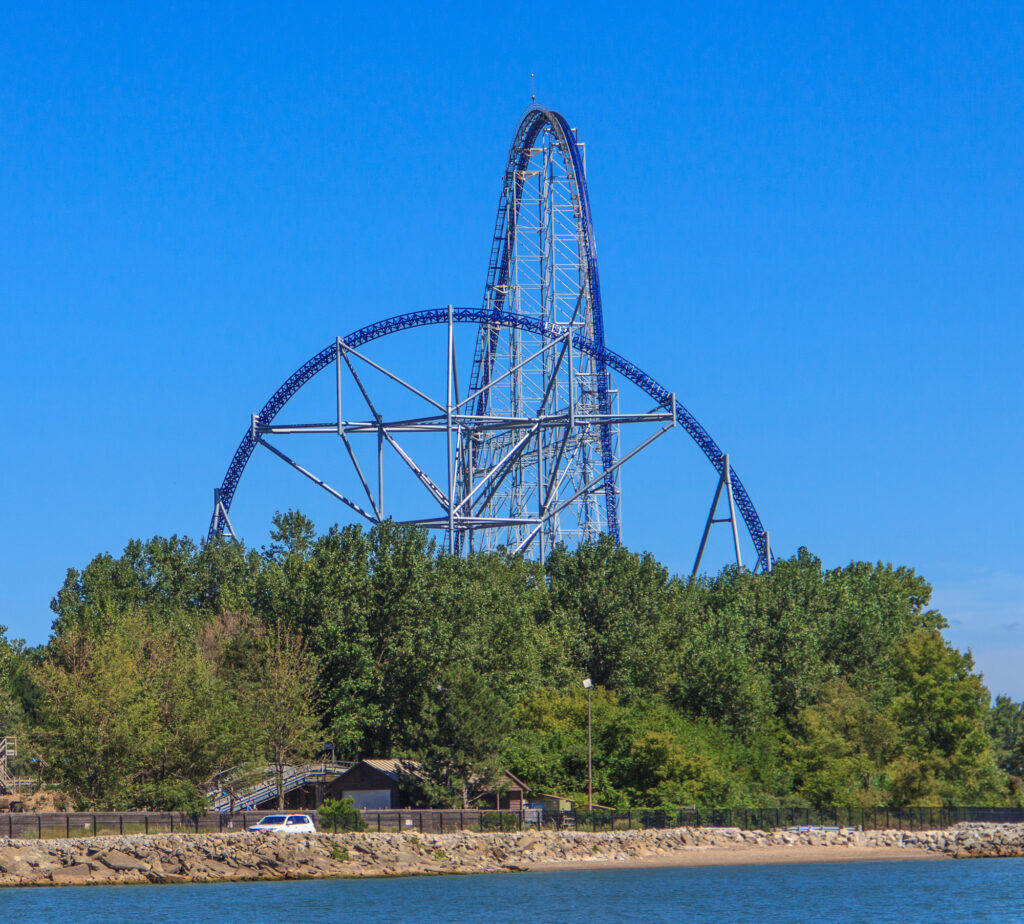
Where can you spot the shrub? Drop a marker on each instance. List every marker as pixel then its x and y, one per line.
pixel 341 815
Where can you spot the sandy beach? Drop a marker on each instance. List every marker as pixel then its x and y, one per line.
pixel 749 856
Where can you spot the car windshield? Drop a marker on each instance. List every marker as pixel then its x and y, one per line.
pixel 273 820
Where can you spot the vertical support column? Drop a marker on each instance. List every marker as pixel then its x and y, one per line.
pixel 707 525
pixel 448 441
pixel 337 364
pixel 540 492
pixel 572 384
pixel 732 512
pixel 590 753
pixel 380 471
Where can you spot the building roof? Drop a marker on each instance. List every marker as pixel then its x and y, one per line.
pixel 396 767
pixel 515 779
pixel 393 767
pixel 551 795
pixel 477 783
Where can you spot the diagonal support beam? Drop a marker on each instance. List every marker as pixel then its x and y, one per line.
pixel 594 482
pixel 220 515
pixel 317 480
pixel 549 345
pixel 498 472
pixel 764 559
pixel 382 434
pixel 344 436
pixel 347 349
pixel 724 482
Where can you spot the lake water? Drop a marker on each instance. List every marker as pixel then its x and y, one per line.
pixel 903 891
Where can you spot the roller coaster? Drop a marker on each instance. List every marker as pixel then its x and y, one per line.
pixel 530 449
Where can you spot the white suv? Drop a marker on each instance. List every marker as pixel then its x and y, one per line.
pixel 285 824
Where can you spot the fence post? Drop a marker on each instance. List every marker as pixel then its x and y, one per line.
pixel 39 825
pixel 378 822
pixel 145 820
pixel 67 825
pixel 120 823
pixel 10 826
pixel 94 831
pixel 462 823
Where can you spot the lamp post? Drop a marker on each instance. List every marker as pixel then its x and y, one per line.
pixel 590 749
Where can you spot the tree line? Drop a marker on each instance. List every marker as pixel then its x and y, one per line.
pixel 178 668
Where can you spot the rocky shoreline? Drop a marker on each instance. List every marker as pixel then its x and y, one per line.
pixel 161 858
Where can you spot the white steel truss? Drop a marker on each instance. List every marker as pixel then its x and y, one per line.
pixel 557 478
pixel 546 437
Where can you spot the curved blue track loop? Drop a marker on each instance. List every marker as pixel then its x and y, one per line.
pixel 530 126
pixel 414 319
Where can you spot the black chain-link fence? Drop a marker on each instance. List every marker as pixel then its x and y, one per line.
pixel 450 821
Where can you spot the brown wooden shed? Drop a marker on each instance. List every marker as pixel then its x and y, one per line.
pixel 508 794
pixel 376 783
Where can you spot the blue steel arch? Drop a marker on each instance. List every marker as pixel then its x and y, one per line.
pixel 413 319
pixel 532 123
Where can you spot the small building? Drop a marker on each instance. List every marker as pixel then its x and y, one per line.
pixel 377 783
pixel 552 804
pixel 507 794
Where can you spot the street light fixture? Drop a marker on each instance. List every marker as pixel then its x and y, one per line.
pixel 587 684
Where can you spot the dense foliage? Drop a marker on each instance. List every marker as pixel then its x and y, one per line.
pixel 173 664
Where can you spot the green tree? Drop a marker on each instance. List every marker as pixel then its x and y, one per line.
pixel 279 692
pixel 622 604
pixel 471 725
pixel 940 705
pixel 98 724
pixel 844 748
pixel 804 684
pixel 1005 724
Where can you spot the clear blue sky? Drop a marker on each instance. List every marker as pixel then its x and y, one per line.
pixel 810 222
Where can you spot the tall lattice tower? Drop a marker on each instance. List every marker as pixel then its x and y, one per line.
pixel 543 266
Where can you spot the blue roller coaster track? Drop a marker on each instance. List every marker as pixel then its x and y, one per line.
pixel 495 317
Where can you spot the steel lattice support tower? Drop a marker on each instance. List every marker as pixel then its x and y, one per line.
pixel 543 267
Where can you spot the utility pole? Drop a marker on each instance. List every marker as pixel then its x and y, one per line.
pixel 590 749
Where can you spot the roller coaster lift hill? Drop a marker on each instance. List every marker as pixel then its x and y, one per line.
pixel 534 443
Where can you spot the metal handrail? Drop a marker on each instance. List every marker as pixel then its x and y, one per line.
pixel 298 777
